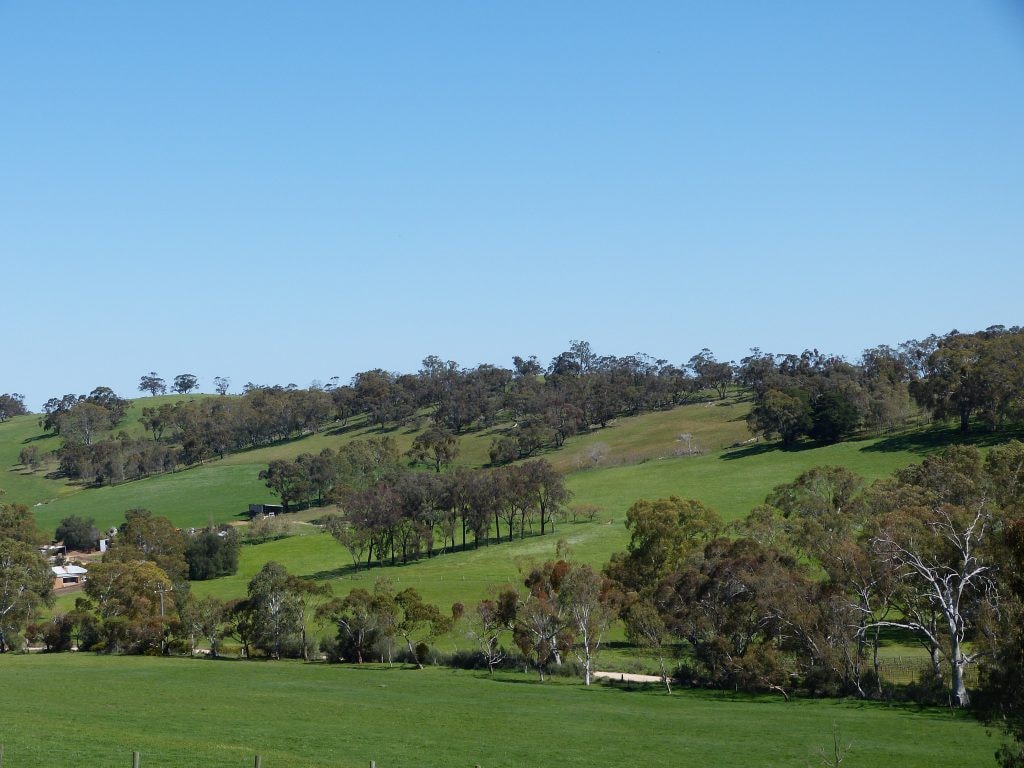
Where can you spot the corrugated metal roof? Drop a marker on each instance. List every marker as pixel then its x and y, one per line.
pixel 68 570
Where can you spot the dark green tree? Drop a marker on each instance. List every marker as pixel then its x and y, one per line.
pixel 145 536
pixel 786 414
pixel 78 533
pixel 212 552
pixel 12 404
pixel 184 383
pixel 153 384
pixel 25 586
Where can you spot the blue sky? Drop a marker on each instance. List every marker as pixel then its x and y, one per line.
pixel 278 192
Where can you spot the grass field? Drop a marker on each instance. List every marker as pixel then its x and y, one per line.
pixel 182 713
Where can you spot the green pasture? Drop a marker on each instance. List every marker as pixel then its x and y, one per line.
pixel 19 484
pixel 188 497
pixel 79 709
pixel 461 576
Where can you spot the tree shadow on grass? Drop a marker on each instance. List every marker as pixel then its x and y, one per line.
pixel 336 573
pixel 934 439
pixel 344 429
pixel 761 448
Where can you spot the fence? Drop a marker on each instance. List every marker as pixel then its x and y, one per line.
pixel 137 760
pixel 907 670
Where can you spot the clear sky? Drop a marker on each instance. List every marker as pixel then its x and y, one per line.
pixel 278 192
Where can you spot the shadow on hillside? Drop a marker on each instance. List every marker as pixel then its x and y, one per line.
pixel 336 573
pixel 932 440
pixel 344 429
pixel 761 448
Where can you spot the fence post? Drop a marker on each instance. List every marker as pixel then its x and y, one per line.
pixel 135 760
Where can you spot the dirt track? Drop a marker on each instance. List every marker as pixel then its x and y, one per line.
pixel 628 677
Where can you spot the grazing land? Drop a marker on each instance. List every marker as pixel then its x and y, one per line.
pixel 610 468
pixel 180 713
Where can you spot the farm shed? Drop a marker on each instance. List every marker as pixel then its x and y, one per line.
pixel 67 575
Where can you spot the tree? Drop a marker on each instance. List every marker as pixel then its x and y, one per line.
pixel 490 619
pixel 936 522
pixel 645 628
pixel 740 608
pixel 145 536
pixel 184 383
pixel 277 611
pixel 18 523
pixel 352 537
pixel 12 404
pixel 363 620
pixel 584 597
pixel 786 414
pixel 664 535
pixel 84 421
pixel 153 384
pixel 418 622
pixel 538 630
pixel 434 447
pixel 78 533
pixel 221 385
pixel 107 399
pixel 1002 673
pixel 711 374
pixel 953 385
pixel 545 488
pixel 320 472
pixel 212 552
pixel 25 585
pixel 135 600
pixel 833 416
pixel 30 458
pixel 287 479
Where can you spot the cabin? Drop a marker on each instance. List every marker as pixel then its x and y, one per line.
pixel 65 576
pixel 265 509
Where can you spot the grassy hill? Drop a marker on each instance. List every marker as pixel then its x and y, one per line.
pixel 600 462
pixel 182 712
pixel 611 468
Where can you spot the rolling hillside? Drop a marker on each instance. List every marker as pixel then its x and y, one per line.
pixel 610 468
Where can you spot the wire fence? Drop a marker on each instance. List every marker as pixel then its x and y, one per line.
pixel 137 762
pixel 908 670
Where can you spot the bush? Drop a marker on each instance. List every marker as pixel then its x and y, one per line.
pixel 211 553
pixel 78 533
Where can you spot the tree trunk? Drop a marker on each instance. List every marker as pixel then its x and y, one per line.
pixel 933 654
pixel 664 676
pixel 965 420
pixel 957 663
pixel 412 652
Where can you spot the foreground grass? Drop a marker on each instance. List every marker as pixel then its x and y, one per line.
pixel 182 713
